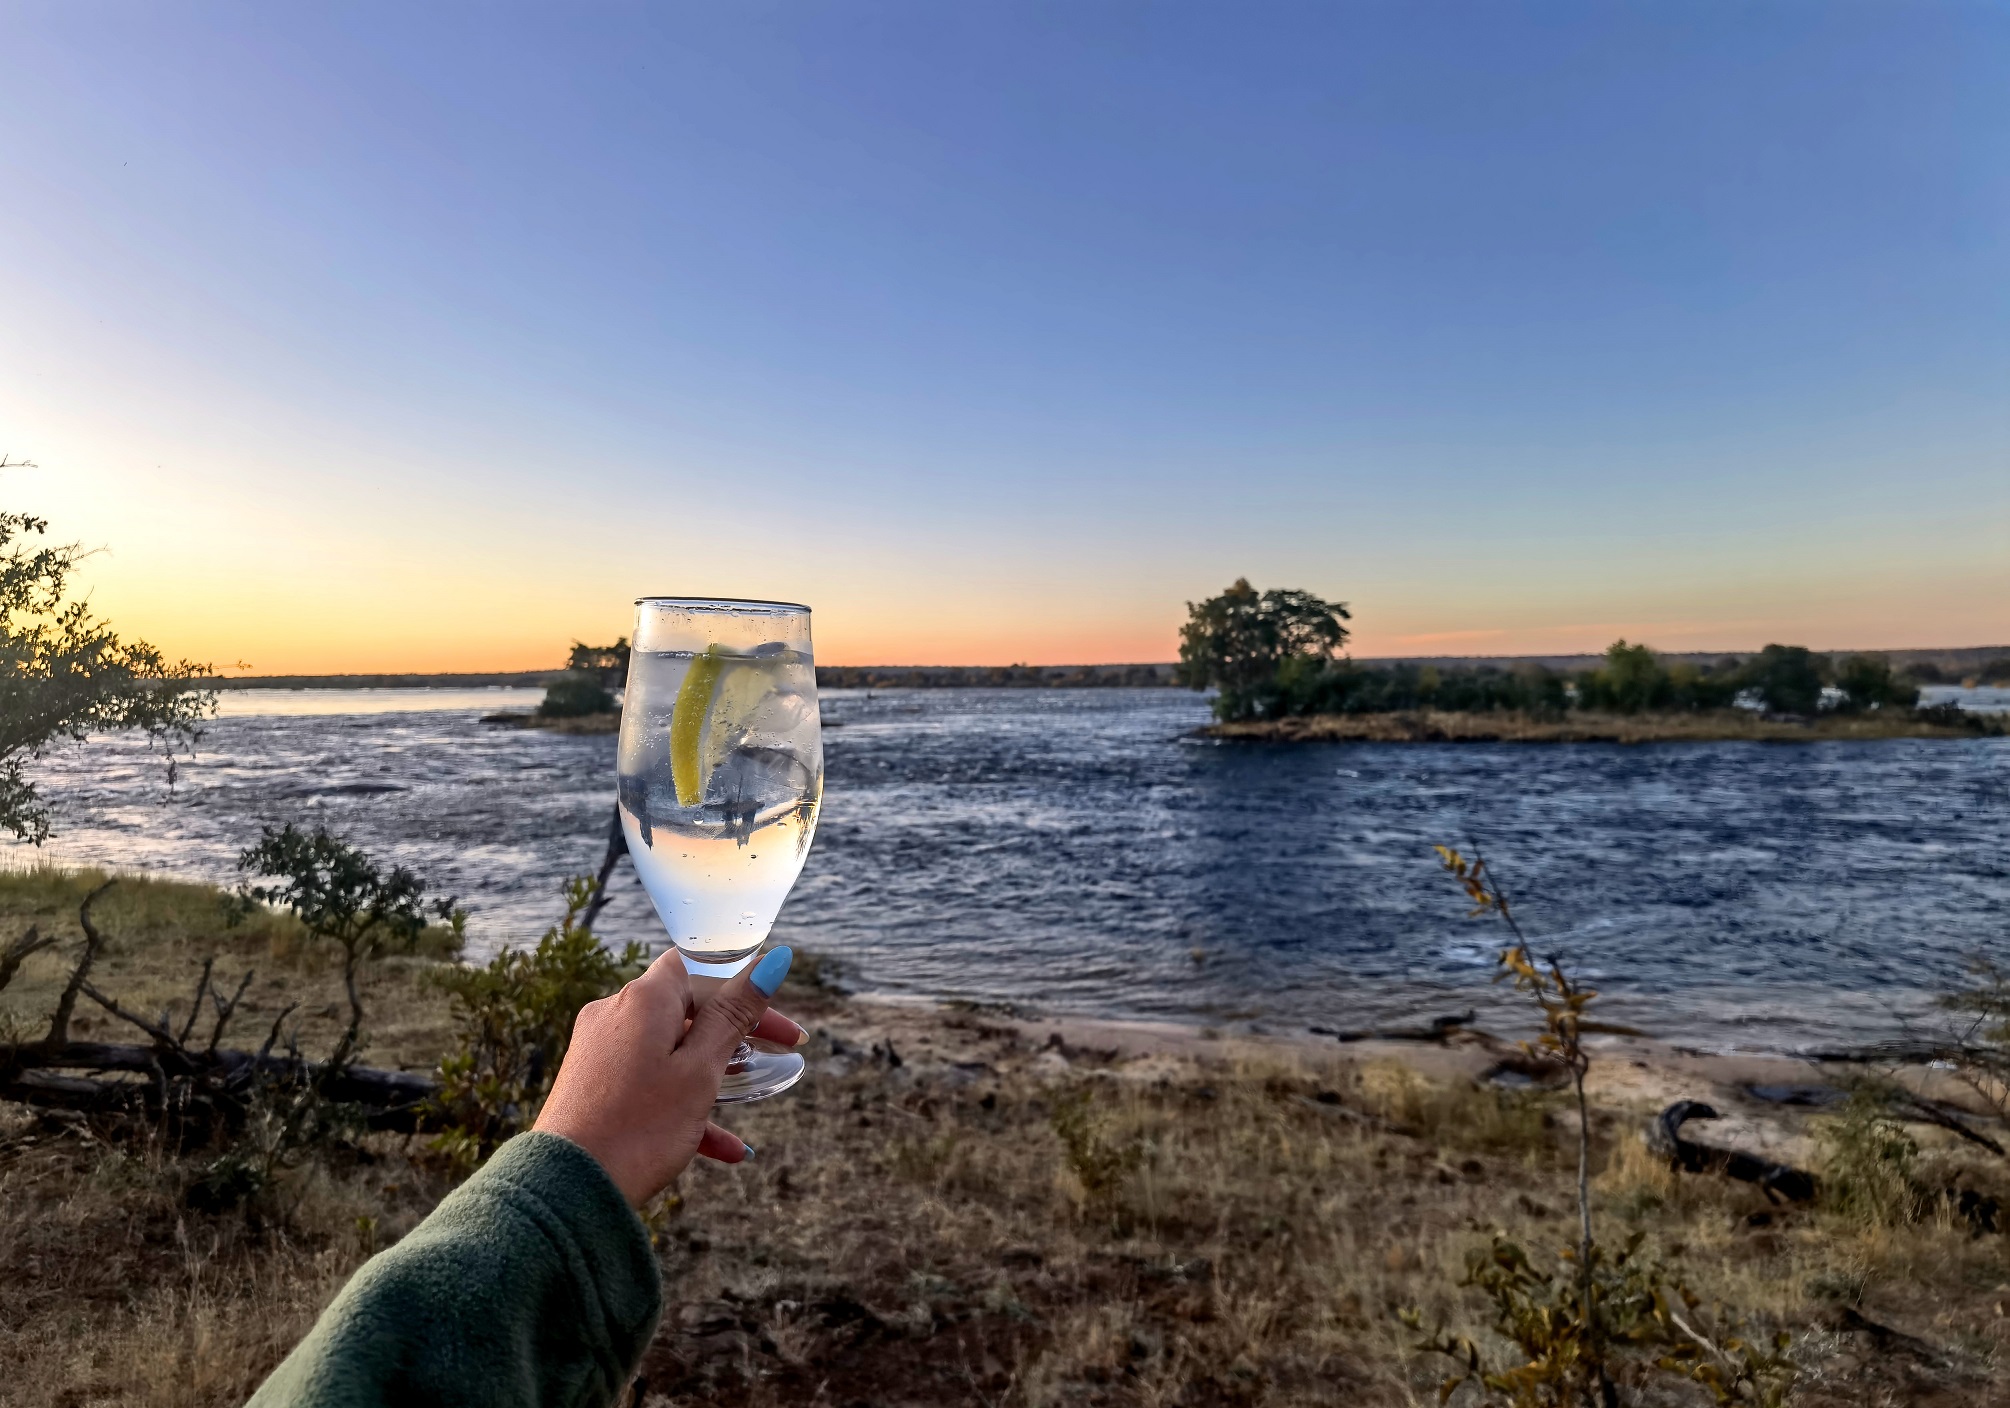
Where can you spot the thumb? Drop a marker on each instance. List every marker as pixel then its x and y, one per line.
pixel 731 1012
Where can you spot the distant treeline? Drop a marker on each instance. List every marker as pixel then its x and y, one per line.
pixel 1276 654
pixel 521 679
pixel 997 676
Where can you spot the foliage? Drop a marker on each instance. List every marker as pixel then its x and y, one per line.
pixel 1869 682
pixel 1634 680
pixel 342 895
pixel 1100 1164
pixel 65 674
pixel 1581 1332
pixel 1237 642
pixel 1868 1163
pixel 1311 686
pixel 1995 671
pixel 606 663
pixel 573 695
pixel 514 1019
pixel 1788 679
pixel 1570 1356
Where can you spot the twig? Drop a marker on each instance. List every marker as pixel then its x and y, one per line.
pixel 59 1024
pixel 225 1009
pixel 19 950
pixel 157 1031
pixel 617 847
pixel 195 1003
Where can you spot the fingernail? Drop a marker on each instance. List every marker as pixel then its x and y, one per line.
pixel 802 1036
pixel 746 1151
pixel 769 972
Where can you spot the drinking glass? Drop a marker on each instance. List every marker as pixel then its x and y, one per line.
pixel 720 773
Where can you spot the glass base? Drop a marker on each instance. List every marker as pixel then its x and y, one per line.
pixel 755 1075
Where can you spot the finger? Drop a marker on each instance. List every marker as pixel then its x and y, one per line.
pixel 732 1012
pixel 774 1027
pixel 668 982
pixel 723 1145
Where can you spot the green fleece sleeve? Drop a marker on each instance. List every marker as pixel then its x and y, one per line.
pixel 532 1286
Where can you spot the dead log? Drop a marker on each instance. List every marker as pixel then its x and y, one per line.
pixel 34 1075
pixel 1440 1030
pixel 1779 1182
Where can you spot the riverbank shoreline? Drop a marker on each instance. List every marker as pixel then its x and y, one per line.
pixel 578 725
pixel 1727 726
pixel 956 1198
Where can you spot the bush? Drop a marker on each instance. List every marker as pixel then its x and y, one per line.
pixel 1633 680
pixel 1305 686
pixel 1868 682
pixel 514 1020
pixel 1787 678
pixel 573 695
pixel 1868 1164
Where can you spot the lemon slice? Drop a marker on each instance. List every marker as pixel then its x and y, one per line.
pixel 687 726
pixel 718 699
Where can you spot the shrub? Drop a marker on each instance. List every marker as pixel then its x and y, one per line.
pixel 1787 678
pixel 514 1021
pixel 575 694
pixel 1868 682
pixel 1868 1164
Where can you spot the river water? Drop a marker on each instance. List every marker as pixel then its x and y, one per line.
pixel 1075 850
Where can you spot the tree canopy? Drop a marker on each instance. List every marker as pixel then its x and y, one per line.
pixel 65 674
pixel 1238 641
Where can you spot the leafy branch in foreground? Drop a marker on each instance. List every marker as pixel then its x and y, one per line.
pixel 342 895
pixel 66 674
pixel 1608 1312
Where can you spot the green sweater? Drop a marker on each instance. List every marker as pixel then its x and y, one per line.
pixel 532 1286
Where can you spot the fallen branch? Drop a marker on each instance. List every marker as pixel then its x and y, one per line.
pixel 1777 1181
pixel 19 950
pixel 1440 1030
pixel 393 1100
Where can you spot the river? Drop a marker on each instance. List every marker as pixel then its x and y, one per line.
pixel 1077 850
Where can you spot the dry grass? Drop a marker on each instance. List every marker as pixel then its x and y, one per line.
pixel 159 932
pixel 1737 725
pixel 1230 1227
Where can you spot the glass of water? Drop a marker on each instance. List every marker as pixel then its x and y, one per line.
pixel 720 775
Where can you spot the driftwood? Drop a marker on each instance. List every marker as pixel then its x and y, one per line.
pixel 218 1083
pixel 1777 1181
pixel 1439 1031
pixel 192 1079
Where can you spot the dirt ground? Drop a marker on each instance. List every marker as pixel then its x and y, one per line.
pixel 966 1206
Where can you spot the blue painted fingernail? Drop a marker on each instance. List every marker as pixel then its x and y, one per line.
pixel 769 972
pixel 746 1151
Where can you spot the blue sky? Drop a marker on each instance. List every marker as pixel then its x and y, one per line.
pixel 385 336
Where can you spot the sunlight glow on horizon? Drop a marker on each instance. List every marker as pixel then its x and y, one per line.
pixel 997 337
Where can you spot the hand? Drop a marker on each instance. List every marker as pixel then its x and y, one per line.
pixel 637 1084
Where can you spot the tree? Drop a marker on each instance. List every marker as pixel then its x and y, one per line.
pixel 1238 641
pixel 606 663
pixel 592 672
pixel 65 674
pixel 1787 678
pixel 1868 682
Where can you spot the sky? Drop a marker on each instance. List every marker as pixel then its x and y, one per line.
pixel 426 337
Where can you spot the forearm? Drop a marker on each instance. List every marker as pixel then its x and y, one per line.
pixel 532 1286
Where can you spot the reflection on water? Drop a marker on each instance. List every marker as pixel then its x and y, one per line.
pixel 1072 849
